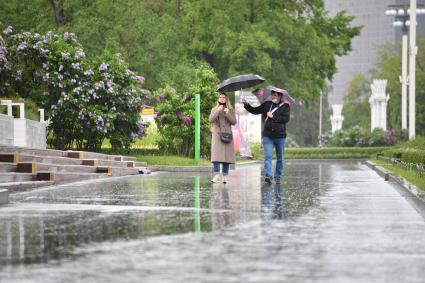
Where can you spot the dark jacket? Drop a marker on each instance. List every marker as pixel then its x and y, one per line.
pixel 274 127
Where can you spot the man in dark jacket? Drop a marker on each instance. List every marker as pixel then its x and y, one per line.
pixel 276 115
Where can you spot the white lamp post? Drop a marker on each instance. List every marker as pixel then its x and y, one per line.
pixel 403 18
pixel 412 71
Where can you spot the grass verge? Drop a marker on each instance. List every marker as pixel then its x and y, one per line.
pixel 410 176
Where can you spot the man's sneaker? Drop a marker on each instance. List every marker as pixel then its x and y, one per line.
pixel 268 180
pixel 277 180
pixel 224 179
pixel 216 178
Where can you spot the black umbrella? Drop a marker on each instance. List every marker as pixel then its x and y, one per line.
pixel 240 82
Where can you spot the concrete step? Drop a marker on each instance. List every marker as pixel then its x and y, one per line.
pixel 32 151
pixel 61 153
pixel 64 177
pixel 14 187
pixel 8 167
pixel 9 157
pixel 96 155
pixel 100 162
pixel 4 196
pixel 49 160
pixel 16 177
pixel 117 171
pixel 125 158
pixel 28 167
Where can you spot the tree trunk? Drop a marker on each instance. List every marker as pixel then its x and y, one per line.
pixel 59 12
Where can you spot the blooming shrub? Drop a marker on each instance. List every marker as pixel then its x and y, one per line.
pixel 358 137
pixel 176 115
pixel 86 100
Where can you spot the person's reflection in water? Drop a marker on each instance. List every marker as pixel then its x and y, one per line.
pixel 220 201
pixel 272 202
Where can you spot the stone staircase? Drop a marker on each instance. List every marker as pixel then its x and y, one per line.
pixel 24 168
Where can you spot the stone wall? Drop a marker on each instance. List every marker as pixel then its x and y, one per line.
pixel 36 134
pixel 6 130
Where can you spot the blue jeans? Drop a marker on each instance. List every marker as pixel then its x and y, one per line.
pixel 279 145
pixel 225 167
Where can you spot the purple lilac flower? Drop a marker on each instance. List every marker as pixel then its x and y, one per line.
pixel 44 52
pixel 65 55
pixel 46 77
pixel 139 78
pixel 67 35
pixel 46 93
pixel 18 75
pixel 103 67
pixel 128 72
pixel 22 46
pixel 8 30
pixel 99 85
pixel 179 113
pixel 158 98
pixel 80 54
pixel 187 121
pixel 89 72
pixel 76 66
pixel 77 90
pixel 159 113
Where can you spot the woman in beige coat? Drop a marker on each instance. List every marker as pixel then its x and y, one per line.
pixel 222 118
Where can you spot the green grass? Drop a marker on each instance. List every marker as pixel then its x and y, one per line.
pixel 332 152
pixel 323 152
pixel 410 176
pixel 171 160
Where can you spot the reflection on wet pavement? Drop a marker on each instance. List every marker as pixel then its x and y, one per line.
pixel 326 221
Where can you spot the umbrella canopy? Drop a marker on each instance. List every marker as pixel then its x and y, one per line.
pixel 266 94
pixel 240 82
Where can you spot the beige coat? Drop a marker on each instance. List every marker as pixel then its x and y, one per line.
pixel 222 152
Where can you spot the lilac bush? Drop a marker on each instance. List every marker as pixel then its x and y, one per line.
pixel 175 117
pixel 85 99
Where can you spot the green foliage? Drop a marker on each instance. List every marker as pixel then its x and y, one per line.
pixel 291 43
pixel 176 114
pixel 411 151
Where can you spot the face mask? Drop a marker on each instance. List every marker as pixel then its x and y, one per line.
pixel 274 100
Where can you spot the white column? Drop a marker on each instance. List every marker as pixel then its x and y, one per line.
pixel 21 109
pixel 404 83
pixel 372 113
pixel 41 115
pixel 8 104
pixel 336 118
pixel 378 104
pixel 412 71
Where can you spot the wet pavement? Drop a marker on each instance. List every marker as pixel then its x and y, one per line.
pixel 327 222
